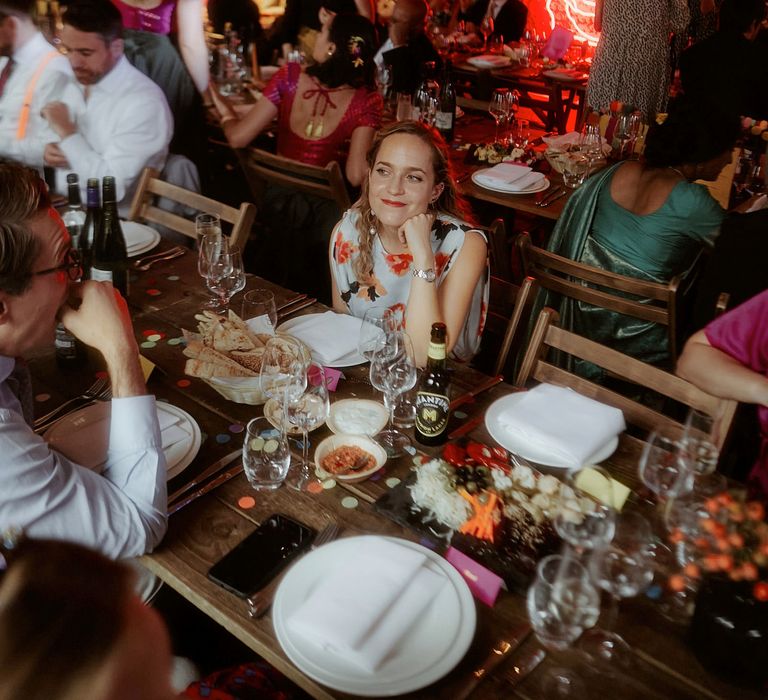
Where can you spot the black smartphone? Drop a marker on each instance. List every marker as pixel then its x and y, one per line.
pixel 259 557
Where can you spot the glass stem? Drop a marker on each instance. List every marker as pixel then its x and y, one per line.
pixel 389 402
pixel 611 614
pixel 496 135
pixel 304 451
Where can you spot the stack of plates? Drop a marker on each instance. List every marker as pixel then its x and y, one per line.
pixel 489 60
pixel 139 238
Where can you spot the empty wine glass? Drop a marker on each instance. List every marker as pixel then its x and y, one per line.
pixel 663 467
pixel 226 276
pixel 499 108
pixel 699 439
pixel 266 455
pixel 384 81
pixel 521 133
pixel 376 323
pixel 284 358
pixel 427 105
pixel 258 303
pixel 486 29
pixel 393 371
pixel 307 410
pixel 592 143
pixel 206 224
pixel 210 244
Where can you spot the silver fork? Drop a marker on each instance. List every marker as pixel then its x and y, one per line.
pixel 261 601
pixel 171 255
pixel 96 391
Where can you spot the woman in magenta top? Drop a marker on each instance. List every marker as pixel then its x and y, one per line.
pixel 329 111
pixel 729 358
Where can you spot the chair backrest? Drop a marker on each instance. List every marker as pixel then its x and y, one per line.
pixel 720 189
pixel 608 290
pixel 151 186
pixel 499 250
pixel 547 334
pixel 260 167
pixel 508 312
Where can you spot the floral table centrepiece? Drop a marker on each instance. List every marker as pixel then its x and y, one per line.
pixel 729 630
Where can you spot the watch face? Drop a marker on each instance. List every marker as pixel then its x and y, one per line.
pixel 428 275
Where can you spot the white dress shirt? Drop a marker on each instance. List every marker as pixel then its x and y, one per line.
pixel 121 512
pixel 379 57
pixel 494 7
pixel 49 87
pixel 123 126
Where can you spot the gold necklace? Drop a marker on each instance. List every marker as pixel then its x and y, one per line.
pixel 679 172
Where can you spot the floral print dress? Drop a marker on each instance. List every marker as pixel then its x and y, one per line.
pixel 390 283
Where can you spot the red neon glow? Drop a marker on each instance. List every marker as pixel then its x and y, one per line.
pixel 575 15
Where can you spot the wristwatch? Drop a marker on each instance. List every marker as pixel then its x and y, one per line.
pixel 427 275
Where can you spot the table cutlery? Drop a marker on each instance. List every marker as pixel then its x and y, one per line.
pixel 298 307
pixel 217 466
pixel 261 601
pixel 500 651
pixel 465 428
pixel 483 386
pixel 553 199
pixel 170 256
pixel 222 478
pixel 463 177
pixel 521 668
pixel 550 195
pixel 92 393
pixel 291 302
pixel 160 254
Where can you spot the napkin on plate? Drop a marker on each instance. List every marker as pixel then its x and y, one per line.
pixel 361 610
pixel 563 423
pixel 515 178
pixel 330 336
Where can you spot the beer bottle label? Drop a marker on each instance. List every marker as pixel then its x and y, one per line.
pixel 436 351
pixel 431 413
pixel 101 275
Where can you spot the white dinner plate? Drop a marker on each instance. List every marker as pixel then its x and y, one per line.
pixel 538 187
pixel 568 75
pixel 430 650
pixel 351 359
pixel 515 444
pixel 62 436
pixel 489 60
pixel 139 238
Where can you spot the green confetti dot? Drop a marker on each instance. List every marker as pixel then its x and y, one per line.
pixel 173 278
pixel 417 460
pixel 328 484
pixel 154 337
pixel 174 341
pixel 460 415
pixel 392 482
pixel 349 502
pixel 148 344
pixel 410 449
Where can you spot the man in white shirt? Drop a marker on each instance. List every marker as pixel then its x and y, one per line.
pixel 112 120
pixel 33 74
pixel 122 511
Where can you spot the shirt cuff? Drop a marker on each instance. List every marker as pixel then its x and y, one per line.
pixel 134 423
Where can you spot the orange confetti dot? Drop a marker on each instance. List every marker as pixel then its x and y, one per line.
pixel 183 383
pixel 315 487
pixel 676 536
pixel 692 570
pixel 246 502
pixel 755 511
pixel 677 582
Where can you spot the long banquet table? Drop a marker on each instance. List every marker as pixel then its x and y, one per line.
pixel 164 301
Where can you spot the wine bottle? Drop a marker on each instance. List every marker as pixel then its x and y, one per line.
pixel 446 110
pixel 432 395
pixel 91 225
pixel 428 88
pixel 109 258
pixel 74 216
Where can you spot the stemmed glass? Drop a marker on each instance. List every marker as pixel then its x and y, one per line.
pixel 699 447
pixel 210 244
pixel 393 372
pixel 592 143
pixel 226 276
pixel 376 323
pixel 486 29
pixel 306 409
pixel 384 81
pixel 663 467
pixel 284 359
pixel 500 108
pixel 258 303
pixel 427 104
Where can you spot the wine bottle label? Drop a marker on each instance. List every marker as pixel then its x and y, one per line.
pixel 101 275
pixel 436 351
pixel 431 413
pixel 444 121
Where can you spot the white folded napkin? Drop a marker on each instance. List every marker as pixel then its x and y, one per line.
pixel 526 182
pixel 503 174
pixel 563 423
pixel 364 608
pixel 330 336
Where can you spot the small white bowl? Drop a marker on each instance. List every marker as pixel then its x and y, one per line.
pixel 335 441
pixel 373 409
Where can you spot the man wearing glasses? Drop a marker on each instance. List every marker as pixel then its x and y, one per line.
pixel 121 512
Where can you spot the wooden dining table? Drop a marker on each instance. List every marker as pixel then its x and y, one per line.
pixel 164 302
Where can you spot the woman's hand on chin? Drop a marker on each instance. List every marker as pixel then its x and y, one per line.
pixel 415 233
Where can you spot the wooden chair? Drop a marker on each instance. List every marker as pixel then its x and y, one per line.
pixel 260 167
pixel 498 249
pixel 150 186
pixel 606 290
pixel 548 335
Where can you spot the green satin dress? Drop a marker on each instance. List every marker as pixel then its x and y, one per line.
pixel 593 229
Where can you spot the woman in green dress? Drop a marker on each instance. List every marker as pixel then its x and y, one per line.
pixel 646 219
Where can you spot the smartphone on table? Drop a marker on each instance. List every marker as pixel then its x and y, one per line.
pixel 253 563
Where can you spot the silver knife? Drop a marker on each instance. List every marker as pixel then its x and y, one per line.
pixel 523 667
pixel 549 195
pixel 554 199
pixel 303 305
pixel 209 471
pixel 222 478
pixel 291 302
pixel 500 651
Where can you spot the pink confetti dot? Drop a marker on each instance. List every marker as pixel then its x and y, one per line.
pixel 236 428
pixel 42 397
pixel 183 383
pixel 246 502
pixel 154 292
pixel 148 332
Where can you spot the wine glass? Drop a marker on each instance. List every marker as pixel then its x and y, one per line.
pixel 521 133
pixel 486 29
pixel 384 81
pixel 497 45
pixel 427 105
pixel 376 323
pixel 207 223
pixel 308 410
pixel 699 438
pixel 226 276
pixel 592 143
pixel 583 521
pixel 663 467
pixel 210 244
pixel 499 108
pixel 284 358
pixel 393 371
pixel 258 303
pixel 266 455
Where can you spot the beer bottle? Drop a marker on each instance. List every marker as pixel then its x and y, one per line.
pixel 110 258
pixel 432 395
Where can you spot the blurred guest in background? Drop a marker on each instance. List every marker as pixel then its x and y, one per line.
pixel 509 17
pixel 405 245
pixel 245 19
pixel 730 67
pixel 647 220
pixel 33 75
pixel 631 62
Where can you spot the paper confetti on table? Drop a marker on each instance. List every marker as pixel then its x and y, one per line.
pixel 392 482
pixel 246 502
pixel 349 502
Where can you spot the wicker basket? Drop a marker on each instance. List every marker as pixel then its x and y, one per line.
pixel 240 390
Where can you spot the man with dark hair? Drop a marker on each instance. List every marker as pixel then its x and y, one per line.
pixel 33 74
pixel 122 511
pixel 113 120
pixel 729 67
pixel 407 46
pixel 509 16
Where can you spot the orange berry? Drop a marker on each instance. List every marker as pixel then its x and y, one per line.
pixel 709 526
pixel 712 562
pixel 676 536
pixel 724 498
pixel 760 591
pixel 702 542
pixel 755 510
pixel 722 544
pixel 677 582
pixel 692 570
pixel 725 562
pixel 712 505
pixel 764 548
pixel 749 571
pixel 736 539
